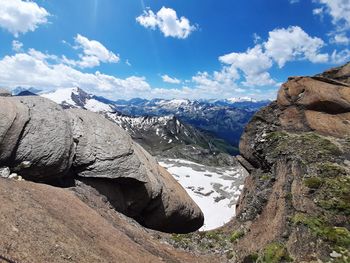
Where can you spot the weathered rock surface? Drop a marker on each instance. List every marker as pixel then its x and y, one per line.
pixel 102 149
pixel 13 118
pixel 341 73
pixel 44 143
pixel 41 223
pixel 5 93
pixel 295 204
pixel 315 103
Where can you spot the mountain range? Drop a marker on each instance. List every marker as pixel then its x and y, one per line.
pixel 173 128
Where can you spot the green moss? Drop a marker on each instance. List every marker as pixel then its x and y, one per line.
pixel 315 224
pixel 339 236
pixel 274 253
pixel 230 254
pixel 214 235
pixel 308 147
pixel 328 170
pixel 313 182
pixel 335 195
pixel 265 177
pixel 181 240
pixel 321 144
pixel 236 235
pixel 277 135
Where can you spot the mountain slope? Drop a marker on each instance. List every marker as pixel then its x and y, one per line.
pixel 168 137
pixel 78 98
pixel 223 118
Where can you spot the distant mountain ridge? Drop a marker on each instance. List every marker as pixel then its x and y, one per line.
pixel 167 136
pixel 224 119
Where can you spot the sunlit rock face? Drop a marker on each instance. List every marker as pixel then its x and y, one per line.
pixel 45 143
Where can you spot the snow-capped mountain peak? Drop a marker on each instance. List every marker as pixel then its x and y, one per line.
pixel 174 103
pixel 61 96
pixel 241 99
pixel 78 98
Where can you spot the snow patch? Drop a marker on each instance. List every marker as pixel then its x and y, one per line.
pixel 62 95
pixel 96 106
pixel 215 189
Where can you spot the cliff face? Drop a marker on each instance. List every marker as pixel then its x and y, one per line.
pixel 296 201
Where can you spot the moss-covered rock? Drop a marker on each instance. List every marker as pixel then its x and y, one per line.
pixel 275 253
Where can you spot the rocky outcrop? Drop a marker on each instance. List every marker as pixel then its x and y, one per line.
pixel 295 204
pixel 341 73
pixel 44 143
pixel 5 93
pixel 308 103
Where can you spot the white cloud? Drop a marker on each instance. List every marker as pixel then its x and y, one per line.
pixel 219 83
pixel 19 17
pixel 256 38
pixel 167 21
pixel 254 63
pixel 37 69
pixel 251 68
pixel 47 72
pixel 292 43
pixel 340 38
pixel 93 53
pixel 16 45
pixel 294 1
pixel 127 62
pixel 340 57
pixel 171 80
pixel 318 11
pixel 339 10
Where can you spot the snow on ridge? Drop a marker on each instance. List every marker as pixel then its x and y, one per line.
pixel 62 95
pixel 241 99
pixel 215 189
pixel 174 103
pixel 96 106
pixel 140 121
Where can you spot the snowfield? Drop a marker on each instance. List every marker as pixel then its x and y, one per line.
pixel 215 189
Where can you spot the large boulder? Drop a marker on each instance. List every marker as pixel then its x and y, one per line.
pixel 107 159
pixel 44 143
pixel 13 118
pixel 45 149
pixel 315 103
pixel 103 149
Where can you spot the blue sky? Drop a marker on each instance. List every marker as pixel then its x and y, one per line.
pixel 172 49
